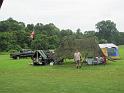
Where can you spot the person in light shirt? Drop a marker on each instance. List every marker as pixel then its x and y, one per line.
pixel 77 58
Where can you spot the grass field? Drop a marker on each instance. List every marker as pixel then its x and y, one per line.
pixel 17 76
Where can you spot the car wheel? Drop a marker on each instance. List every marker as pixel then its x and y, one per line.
pixel 35 64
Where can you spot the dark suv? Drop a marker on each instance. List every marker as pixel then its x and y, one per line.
pixel 21 54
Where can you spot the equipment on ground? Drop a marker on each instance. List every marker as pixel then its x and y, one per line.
pixel 44 57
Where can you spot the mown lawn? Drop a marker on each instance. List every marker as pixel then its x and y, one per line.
pixel 18 76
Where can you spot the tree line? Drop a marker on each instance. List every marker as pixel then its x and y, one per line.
pixel 15 35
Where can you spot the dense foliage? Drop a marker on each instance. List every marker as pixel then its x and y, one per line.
pixel 15 35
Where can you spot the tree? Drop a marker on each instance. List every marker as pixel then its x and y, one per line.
pixel 50 30
pixel 53 42
pixel 107 30
pixel 38 27
pixel 79 34
pixel 13 35
pixel 120 39
pixel 29 27
pixel 89 33
pixel 40 42
pixel 66 32
pixel 4 41
pixel 11 25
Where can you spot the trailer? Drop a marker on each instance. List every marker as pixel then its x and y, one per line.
pixel 45 57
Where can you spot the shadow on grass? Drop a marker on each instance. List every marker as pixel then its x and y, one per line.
pixel 70 65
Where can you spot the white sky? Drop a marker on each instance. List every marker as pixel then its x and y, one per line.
pixel 65 14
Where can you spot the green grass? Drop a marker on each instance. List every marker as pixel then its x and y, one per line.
pixel 18 76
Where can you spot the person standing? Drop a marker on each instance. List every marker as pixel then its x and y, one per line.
pixel 77 58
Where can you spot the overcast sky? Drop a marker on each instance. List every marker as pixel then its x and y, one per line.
pixel 65 14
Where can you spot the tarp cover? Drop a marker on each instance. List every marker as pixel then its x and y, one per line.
pixel 85 46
